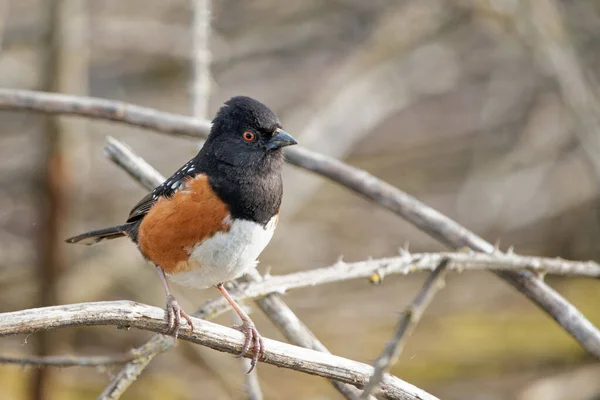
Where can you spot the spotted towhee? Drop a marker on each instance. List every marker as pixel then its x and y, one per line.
pixel 209 221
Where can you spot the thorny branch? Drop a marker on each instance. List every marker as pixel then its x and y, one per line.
pixel 407 263
pixel 135 315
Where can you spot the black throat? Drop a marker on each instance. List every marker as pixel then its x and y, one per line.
pixel 252 193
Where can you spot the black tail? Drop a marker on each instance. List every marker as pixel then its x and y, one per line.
pixel 99 235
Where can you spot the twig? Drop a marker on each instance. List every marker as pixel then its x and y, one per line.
pixel 140 316
pixel 277 311
pixel 95 108
pixel 407 263
pixel 135 166
pixel 419 214
pixel 408 321
pixel 67 361
pixel 129 373
pixel 201 58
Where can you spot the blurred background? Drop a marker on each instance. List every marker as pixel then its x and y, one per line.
pixel 484 109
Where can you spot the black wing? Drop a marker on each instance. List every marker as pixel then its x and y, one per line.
pixel 165 189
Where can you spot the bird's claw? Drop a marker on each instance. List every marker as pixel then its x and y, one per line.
pixel 254 339
pixel 173 316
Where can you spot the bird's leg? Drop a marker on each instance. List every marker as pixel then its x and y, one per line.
pixel 173 311
pixel 247 328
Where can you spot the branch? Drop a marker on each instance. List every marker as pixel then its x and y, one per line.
pixel 135 315
pixel 129 373
pixel 404 264
pixel 201 57
pixel 277 311
pixel 68 361
pixel 135 166
pixel 419 214
pixel 408 321
pixel 95 108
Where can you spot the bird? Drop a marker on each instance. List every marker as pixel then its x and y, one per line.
pixel 209 221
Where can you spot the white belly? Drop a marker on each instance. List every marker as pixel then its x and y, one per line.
pixel 226 256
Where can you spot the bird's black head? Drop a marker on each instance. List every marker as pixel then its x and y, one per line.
pixel 245 133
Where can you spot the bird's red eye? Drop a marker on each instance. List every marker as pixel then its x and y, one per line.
pixel 249 136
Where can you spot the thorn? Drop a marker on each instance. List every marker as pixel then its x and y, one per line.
pixel 404 252
pixel 497 244
pixel 465 249
pixel 541 274
pixel 510 250
pixel 267 273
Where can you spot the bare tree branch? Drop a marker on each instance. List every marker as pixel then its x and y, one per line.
pixel 67 361
pixel 277 311
pixel 419 214
pixel 404 264
pixel 129 373
pixel 135 315
pixel 408 321
pixel 95 108
pixel 134 165
pixel 201 58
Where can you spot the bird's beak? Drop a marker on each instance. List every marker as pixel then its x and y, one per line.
pixel 280 139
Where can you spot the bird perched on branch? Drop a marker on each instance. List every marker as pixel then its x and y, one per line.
pixel 209 221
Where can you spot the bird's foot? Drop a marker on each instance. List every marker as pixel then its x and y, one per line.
pixel 254 339
pixel 173 316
